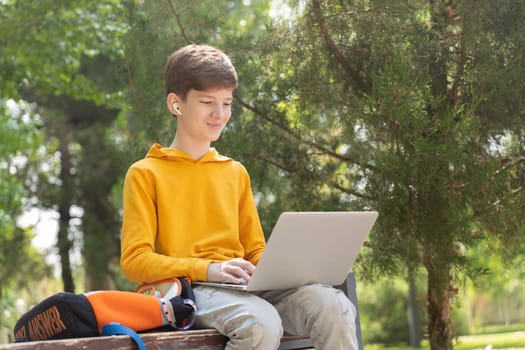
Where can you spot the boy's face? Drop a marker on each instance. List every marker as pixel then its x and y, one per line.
pixel 203 115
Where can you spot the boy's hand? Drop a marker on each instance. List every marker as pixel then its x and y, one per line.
pixel 231 271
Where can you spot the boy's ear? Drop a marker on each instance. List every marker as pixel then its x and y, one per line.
pixel 172 103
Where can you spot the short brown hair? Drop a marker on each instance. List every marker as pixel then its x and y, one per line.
pixel 199 67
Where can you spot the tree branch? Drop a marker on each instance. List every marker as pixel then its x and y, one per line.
pixel 269 161
pixel 454 95
pixel 507 164
pixel 361 84
pixel 179 22
pixel 511 193
pixel 352 193
pixel 299 137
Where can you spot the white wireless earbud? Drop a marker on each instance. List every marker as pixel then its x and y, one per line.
pixel 175 106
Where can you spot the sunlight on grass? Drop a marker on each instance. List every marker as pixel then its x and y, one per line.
pixel 508 340
pixel 504 340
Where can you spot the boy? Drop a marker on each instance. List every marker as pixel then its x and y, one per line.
pixel 189 211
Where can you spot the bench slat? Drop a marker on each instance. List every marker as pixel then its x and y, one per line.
pixel 192 339
pixel 206 339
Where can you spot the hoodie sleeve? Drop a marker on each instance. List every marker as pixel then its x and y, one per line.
pixel 250 230
pixel 139 261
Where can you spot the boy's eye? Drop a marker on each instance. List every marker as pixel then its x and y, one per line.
pixel 206 102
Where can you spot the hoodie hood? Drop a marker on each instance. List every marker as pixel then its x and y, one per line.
pixel 160 152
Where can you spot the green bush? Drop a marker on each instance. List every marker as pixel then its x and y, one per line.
pixel 383 312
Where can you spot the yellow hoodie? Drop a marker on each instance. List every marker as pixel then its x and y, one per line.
pixel 181 214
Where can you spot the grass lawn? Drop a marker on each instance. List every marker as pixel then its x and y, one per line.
pixel 509 340
pixel 514 340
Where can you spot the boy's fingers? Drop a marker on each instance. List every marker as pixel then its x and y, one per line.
pixel 240 270
pixel 245 265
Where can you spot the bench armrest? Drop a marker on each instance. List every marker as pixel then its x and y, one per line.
pixel 349 288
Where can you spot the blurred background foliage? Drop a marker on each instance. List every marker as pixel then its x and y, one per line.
pixel 414 109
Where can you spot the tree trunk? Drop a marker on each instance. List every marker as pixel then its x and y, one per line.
pixel 437 263
pixel 412 312
pixel 99 170
pixel 66 198
pixel 438 307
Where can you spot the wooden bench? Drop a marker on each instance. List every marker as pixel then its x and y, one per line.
pixel 206 339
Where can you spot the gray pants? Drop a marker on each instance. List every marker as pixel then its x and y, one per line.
pixel 257 320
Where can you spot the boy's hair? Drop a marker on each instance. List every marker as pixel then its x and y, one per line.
pixel 198 67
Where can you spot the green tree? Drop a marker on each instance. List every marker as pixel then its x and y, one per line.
pixel 20 263
pixel 403 108
pixel 67 57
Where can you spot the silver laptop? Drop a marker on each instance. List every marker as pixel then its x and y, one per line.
pixel 308 247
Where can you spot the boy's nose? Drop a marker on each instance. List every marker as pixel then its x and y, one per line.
pixel 220 112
